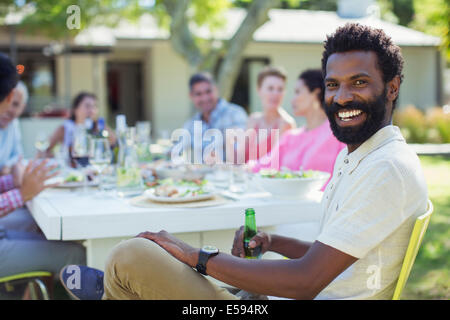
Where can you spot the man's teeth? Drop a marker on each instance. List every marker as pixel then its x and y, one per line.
pixel 346 115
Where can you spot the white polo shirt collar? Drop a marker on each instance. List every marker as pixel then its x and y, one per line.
pixel 379 139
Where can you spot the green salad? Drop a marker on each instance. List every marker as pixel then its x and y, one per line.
pixel 180 188
pixel 288 174
pixel 73 178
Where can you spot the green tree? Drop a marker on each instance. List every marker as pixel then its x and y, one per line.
pixel 433 17
pixel 397 11
pixel 325 5
pixel 429 16
pixel 180 17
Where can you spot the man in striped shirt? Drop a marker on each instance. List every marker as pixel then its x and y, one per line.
pixel 22 251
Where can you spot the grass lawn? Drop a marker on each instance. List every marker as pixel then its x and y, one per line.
pixel 430 276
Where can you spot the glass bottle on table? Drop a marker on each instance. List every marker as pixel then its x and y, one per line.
pixel 129 179
pixel 101 131
pixel 121 129
pixel 143 129
pixel 250 231
pixel 99 156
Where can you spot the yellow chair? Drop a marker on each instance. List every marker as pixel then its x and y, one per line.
pixel 33 279
pixel 415 241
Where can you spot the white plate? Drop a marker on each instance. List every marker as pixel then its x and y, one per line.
pixel 150 194
pixel 74 184
pixel 77 184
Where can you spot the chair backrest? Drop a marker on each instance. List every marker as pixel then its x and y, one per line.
pixel 415 241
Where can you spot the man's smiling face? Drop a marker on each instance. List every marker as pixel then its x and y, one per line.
pixel 356 99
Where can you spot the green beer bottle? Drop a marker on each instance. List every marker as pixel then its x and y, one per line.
pixel 249 232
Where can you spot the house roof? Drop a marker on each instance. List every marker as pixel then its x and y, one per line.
pixel 284 26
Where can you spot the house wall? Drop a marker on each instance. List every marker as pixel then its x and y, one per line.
pixel 170 93
pixel 87 73
pixel 420 86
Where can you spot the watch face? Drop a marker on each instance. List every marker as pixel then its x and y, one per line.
pixel 210 249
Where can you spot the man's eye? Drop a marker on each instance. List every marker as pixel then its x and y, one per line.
pixel 360 82
pixel 331 85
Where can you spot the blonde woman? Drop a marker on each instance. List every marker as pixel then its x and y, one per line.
pixel 271 89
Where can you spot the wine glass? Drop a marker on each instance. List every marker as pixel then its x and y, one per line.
pixel 41 143
pixel 100 157
pixel 143 129
pixel 80 152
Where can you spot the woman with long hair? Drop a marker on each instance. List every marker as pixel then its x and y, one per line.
pixel 271 89
pixel 84 112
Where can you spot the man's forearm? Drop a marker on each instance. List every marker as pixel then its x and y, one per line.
pixel 289 247
pixel 283 278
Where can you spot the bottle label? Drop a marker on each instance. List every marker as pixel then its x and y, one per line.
pixel 252 253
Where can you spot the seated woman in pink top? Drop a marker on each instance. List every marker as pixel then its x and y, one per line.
pixel 312 146
pixel 271 89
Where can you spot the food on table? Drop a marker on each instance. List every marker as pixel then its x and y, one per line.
pixel 288 174
pixel 128 177
pixel 164 170
pixel 178 189
pixel 73 177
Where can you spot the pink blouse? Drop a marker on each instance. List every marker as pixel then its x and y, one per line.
pixel 316 149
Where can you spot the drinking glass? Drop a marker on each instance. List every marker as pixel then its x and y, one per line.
pixel 143 141
pixel 128 173
pixel 143 129
pixel 165 142
pixel 41 143
pixel 238 178
pixel 100 156
pixel 80 152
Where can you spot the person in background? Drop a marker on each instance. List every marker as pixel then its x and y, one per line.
pixel 213 112
pixel 11 154
pixel 84 112
pixel 10 137
pixel 312 146
pixel 271 89
pixel 22 251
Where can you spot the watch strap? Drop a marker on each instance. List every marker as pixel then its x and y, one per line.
pixel 201 264
pixel 203 258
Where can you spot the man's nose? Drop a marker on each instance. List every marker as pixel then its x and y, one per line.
pixel 343 96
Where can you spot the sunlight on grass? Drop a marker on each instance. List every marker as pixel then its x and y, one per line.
pixel 430 276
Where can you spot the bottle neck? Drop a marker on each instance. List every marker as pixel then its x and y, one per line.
pixel 250 226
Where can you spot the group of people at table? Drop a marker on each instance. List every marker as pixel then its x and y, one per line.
pixel 376 191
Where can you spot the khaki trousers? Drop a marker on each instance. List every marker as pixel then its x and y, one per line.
pixel 140 269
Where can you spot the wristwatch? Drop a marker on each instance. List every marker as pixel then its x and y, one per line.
pixel 205 253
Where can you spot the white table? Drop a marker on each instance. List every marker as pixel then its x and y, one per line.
pixel 102 222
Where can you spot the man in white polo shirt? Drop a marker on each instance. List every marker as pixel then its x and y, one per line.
pixel 370 204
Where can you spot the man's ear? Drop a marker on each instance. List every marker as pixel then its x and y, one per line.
pixel 10 96
pixel 393 88
pixel 4 105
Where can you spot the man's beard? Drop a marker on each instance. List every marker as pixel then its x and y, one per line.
pixel 375 111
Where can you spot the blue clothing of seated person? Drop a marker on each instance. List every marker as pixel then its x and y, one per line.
pixel 213 113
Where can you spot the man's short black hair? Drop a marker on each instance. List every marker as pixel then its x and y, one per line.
pixel 8 76
pixel 313 79
pixel 201 77
pixel 354 36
